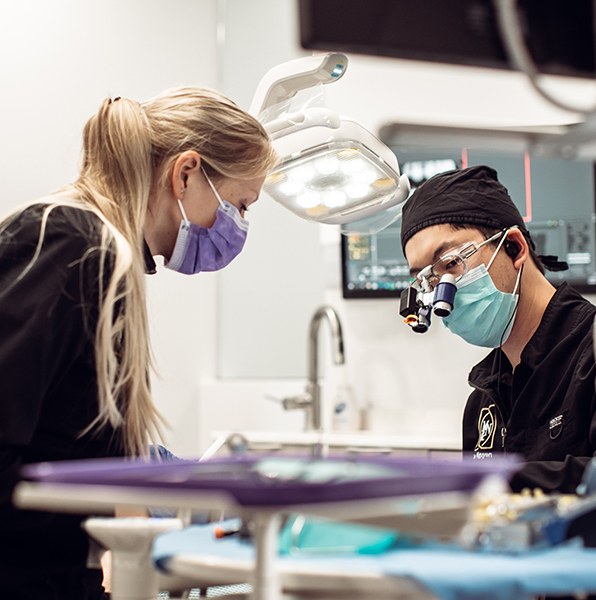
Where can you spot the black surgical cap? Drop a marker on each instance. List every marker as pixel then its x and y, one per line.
pixel 472 196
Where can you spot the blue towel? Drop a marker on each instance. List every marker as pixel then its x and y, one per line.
pixel 454 574
pixel 451 573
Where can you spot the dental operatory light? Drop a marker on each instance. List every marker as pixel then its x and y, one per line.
pixel 331 169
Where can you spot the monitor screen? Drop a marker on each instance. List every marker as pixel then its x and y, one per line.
pixel 560 39
pixel 556 197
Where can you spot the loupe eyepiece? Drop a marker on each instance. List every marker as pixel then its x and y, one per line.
pixel 444 296
pixel 415 313
pixel 422 320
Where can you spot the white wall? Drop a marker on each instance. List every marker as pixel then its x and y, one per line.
pixel 280 266
pixel 59 59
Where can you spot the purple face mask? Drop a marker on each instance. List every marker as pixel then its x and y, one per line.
pixel 200 248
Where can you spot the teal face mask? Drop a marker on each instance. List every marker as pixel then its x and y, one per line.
pixel 482 315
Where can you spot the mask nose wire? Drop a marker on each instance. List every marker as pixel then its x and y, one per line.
pixel 215 192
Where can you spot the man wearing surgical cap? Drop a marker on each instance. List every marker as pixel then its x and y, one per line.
pixel 533 395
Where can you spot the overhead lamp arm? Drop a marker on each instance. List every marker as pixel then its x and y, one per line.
pixel 282 82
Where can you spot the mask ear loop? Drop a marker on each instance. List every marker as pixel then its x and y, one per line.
pixel 490 262
pixel 215 192
pixel 179 200
pixel 516 288
pixel 501 242
pixel 518 281
pixel 184 217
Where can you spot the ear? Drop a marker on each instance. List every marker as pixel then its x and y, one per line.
pixel 187 163
pixel 516 247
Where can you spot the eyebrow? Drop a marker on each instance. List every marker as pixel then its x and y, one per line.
pixel 439 251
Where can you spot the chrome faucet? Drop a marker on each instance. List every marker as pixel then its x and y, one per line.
pixel 310 400
pixel 313 388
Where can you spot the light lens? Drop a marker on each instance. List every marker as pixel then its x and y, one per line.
pixel 333 179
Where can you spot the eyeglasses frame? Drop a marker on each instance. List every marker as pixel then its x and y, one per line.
pixel 463 252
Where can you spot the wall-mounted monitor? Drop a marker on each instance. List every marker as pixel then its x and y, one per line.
pixel 557 198
pixel 559 35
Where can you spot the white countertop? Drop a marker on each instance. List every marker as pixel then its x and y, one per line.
pixel 363 440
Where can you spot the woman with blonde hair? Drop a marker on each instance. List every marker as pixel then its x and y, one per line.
pixel 169 177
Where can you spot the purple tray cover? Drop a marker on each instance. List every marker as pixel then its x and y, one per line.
pixel 241 477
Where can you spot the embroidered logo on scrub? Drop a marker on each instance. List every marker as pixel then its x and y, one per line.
pixel 487 425
pixel 555 426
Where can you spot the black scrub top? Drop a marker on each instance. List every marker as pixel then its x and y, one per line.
pixel 48 390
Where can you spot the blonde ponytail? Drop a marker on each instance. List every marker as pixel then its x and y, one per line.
pixel 116 179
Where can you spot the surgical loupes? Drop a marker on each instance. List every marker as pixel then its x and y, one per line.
pixel 418 303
